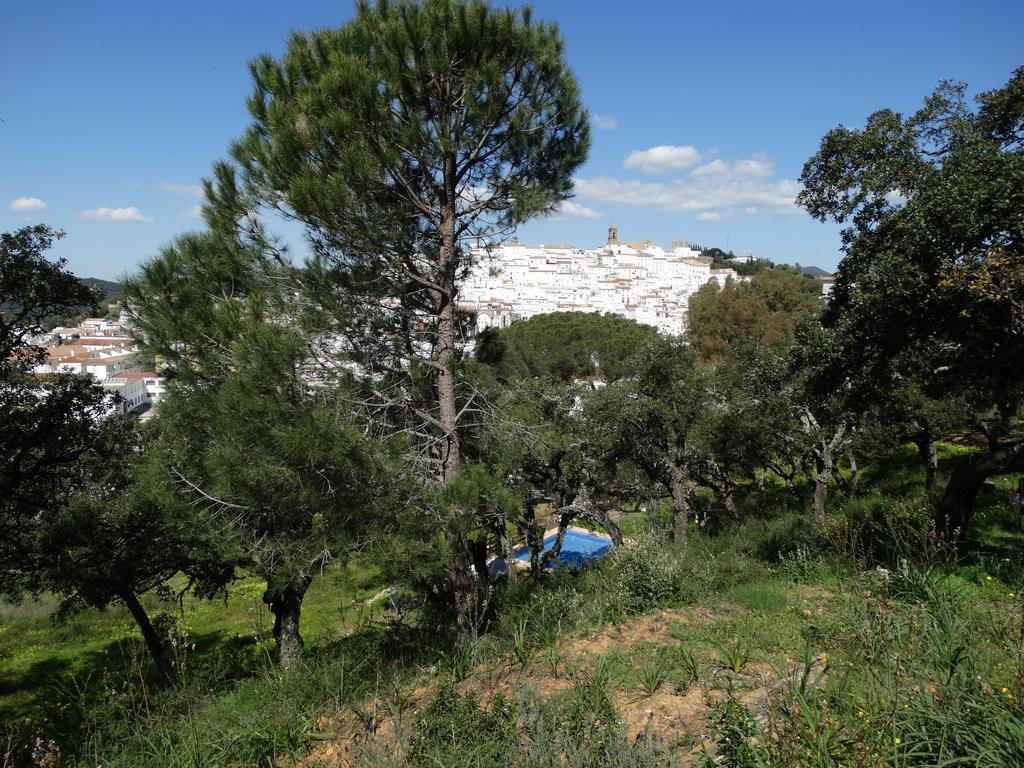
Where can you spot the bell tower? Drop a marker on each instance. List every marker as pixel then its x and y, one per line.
pixel 613 234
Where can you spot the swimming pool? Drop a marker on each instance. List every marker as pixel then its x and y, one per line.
pixel 579 547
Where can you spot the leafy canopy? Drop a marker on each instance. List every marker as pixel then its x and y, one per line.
pixel 934 210
pixel 565 346
pixel 766 309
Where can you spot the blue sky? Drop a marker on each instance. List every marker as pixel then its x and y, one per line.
pixel 704 113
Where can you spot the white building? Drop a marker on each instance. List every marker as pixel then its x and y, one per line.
pixel 640 281
pixel 99 348
pixel 137 389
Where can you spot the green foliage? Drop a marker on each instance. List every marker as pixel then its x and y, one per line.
pixel 546 743
pixel 245 431
pixel 644 575
pixel 394 140
pixel 742 267
pixel 356 126
pixel 251 721
pixel 931 287
pixel 566 346
pixel 932 694
pixel 590 706
pixel 767 309
pixel 32 289
pixel 734 730
pixel 734 654
pixel 455 730
pixel 759 596
pixel 682 667
pixel 46 424
pixel 652 676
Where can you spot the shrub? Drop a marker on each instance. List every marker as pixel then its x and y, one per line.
pixel 455 730
pixel 644 575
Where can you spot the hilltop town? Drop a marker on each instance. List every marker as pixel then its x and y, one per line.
pixel 638 280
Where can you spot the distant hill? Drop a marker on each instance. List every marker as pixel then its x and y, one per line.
pixel 815 271
pixel 111 290
pixel 110 293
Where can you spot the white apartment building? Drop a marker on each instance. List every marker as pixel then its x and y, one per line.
pixel 136 389
pixel 638 280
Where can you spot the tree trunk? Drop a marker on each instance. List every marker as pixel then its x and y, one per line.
pixel 564 521
pixel 463 589
pixel 854 475
pixel 720 481
pixel 505 545
pixel 840 481
pixel 824 456
pixel 822 470
pixel 590 509
pixel 957 502
pixel 447 331
pixel 729 502
pixel 929 456
pixel 534 539
pixel 679 488
pixel 954 510
pixel 153 643
pixel 286 605
pixel 478 547
pixel 461 581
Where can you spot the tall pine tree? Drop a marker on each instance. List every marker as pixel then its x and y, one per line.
pixel 396 140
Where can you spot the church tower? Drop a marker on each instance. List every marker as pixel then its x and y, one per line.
pixel 613 234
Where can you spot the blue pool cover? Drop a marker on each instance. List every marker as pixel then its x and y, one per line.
pixel 578 549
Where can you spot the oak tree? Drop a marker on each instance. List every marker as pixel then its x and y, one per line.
pixel 933 205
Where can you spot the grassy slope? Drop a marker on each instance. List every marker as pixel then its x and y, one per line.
pixel 595 645
pixel 40 656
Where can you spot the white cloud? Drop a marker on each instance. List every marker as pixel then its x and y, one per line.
pixel 192 212
pixel 895 198
pixel 28 204
pixel 568 209
pixel 753 167
pixel 192 190
pixel 607 122
pixel 662 159
pixel 714 167
pixel 718 189
pixel 750 167
pixel 115 214
pixel 696 193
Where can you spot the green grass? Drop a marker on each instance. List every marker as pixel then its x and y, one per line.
pixel 43 660
pixel 760 596
pixel 913 670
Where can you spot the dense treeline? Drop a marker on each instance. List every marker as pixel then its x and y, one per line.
pixel 317 410
pixel 565 346
pixel 768 308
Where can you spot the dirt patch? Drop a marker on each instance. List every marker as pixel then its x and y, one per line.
pixel 650 628
pixel 678 719
pixel 666 717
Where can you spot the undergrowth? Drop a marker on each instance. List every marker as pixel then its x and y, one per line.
pixel 887 650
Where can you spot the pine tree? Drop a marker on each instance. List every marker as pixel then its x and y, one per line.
pixel 396 140
pixel 246 433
